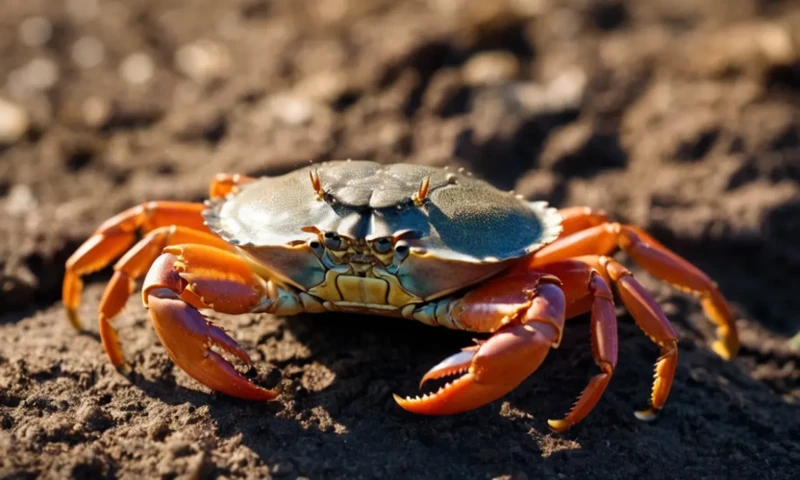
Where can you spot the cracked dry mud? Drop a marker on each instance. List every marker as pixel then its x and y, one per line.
pixel 678 116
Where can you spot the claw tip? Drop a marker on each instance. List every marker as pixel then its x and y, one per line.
pixel 559 425
pixel 724 350
pixel 72 316
pixel 646 415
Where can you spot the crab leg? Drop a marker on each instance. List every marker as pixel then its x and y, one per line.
pixel 640 303
pixel 586 290
pixel 575 219
pixel 226 183
pixel 134 265
pixel 525 314
pixel 115 236
pixel 657 260
pixel 188 277
pixel 651 319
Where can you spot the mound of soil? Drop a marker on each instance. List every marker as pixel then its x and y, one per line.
pixel 681 117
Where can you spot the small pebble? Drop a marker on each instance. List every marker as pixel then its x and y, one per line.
pixel 490 68
pixel 20 200
pixel 93 418
pixel 14 122
pixel 776 44
pixel 322 86
pixel 291 110
pixel 203 60
pixel 88 52
pixel 137 68
pixel 35 31
pixel 38 74
pixel 562 93
pixel 96 111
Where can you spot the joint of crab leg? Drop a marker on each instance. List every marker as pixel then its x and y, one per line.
pixel 219 279
pixel 651 319
pixel 115 236
pixel 604 352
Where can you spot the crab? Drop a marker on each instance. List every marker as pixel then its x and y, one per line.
pixel 415 242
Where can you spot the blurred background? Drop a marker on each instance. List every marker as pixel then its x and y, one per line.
pixel 680 116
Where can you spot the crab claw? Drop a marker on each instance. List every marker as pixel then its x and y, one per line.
pixel 488 371
pixel 188 337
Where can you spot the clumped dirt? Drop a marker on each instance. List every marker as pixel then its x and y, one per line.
pixel 679 116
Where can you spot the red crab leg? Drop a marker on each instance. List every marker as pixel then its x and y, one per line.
pixel 190 276
pixel 575 219
pixel 657 260
pixel 651 319
pixel 586 290
pixel 526 313
pixel 643 308
pixel 115 236
pixel 134 265
pixel 225 183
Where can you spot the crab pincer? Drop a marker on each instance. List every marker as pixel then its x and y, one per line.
pixel 495 367
pixel 174 286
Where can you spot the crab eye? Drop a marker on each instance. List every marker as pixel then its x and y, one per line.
pixel 333 240
pixel 401 250
pixel 383 245
pixel 316 247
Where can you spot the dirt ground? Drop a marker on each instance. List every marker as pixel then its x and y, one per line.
pixel 679 116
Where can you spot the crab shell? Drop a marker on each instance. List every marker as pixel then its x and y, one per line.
pixel 460 231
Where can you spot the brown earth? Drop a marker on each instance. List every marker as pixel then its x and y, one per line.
pixel 679 116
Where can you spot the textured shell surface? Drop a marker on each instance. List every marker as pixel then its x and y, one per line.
pixel 462 219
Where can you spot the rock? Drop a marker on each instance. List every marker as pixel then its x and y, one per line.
pixel 490 68
pixel 88 52
pixel 203 60
pixel 137 68
pixel 96 111
pixel 14 122
pixel 35 31
pixel 20 201
pixel 38 74
pixel 291 109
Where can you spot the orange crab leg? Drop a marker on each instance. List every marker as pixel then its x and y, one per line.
pixel 651 319
pixel 526 315
pixel 134 265
pixel 115 236
pixel 575 219
pixel 190 276
pixel 641 305
pixel 587 290
pixel 657 260
pixel 226 183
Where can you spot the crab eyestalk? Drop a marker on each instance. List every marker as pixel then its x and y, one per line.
pixel 422 193
pixel 313 174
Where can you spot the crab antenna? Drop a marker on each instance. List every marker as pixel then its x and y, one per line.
pixel 313 174
pixel 420 196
